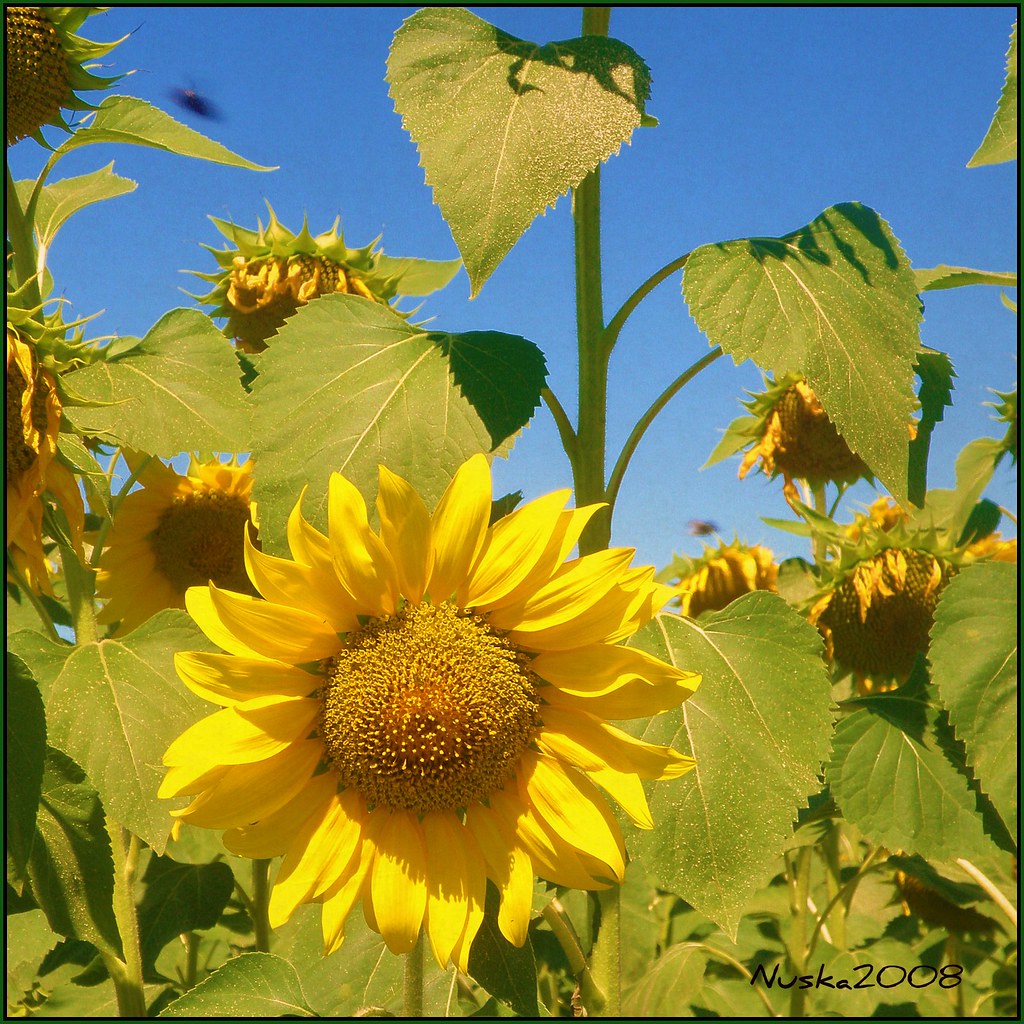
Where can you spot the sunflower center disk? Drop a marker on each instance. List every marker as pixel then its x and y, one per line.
pixel 199 538
pixel 428 710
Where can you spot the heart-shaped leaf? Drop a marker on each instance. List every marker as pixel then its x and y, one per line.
pixel 835 300
pixel 504 126
pixel 759 727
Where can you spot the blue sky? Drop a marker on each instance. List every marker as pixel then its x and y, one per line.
pixel 768 115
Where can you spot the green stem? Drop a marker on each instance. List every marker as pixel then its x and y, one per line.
pixel 991 889
pixel 845 894
pixel 588 465
pixel 128 983
pixel 19 232
pixel 798 944
pixel 718 954
pixel 821 507
pixel 81 585
pixel 642 425
pixel 191 941
pixel 260 906
pixel 837 908
pixel 561 418
pixel 17 576
pixel 412 982
pixel 592 996
pixel 606 958
pixel 615 325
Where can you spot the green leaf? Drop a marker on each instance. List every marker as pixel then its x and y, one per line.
pixel 759 727
pixel 179 898
pixel 504 970
pixel 29 939
pixel 836 301
pixel 418 277
pixel 250 985
pixel 25 728
pixel 949 511
pixel 348 385
pixel 116 706
pixel 504 126
pixel 178 390
pixel 135 122
pixel 71 871
pixel 81 461
pixel 973 655
pixel 933 279
pixel 896 780
pixel 1000 142
pixel 667 989
pixel 61 200
pixel 43 656
pixel 935 370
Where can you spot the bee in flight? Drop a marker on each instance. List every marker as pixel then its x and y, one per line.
pixel 701 528
pixel 191 100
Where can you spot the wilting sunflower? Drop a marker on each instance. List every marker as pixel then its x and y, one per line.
pixel 32 465
pixel 411 712
pixel 920 899
pixel 790 434
pixel 176 532
pixel 44 66
pixel 271 272
pixel 720 575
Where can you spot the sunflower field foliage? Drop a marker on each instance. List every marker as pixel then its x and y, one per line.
pixel 303 718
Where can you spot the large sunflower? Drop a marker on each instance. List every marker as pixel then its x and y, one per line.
pixel 176 532
pixel 411 712
pixel 32 465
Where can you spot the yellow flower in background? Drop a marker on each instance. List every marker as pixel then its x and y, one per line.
pixel 878 616
pixel 271 272
pixel 32 466
pixel 174 533
pixel 43 66
pixel 411 712
pixel 721 575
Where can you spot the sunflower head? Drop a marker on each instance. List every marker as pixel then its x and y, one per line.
pixel 411 713
pixel 720 575
pixel 45 67
pixel 932 907
pixel 270 272
pixel 33 465
pixel 177 531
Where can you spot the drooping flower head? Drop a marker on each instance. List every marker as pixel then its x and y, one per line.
pixel 789 433
pixel 720 575
pixel 33 467
pixel 409 712
pixel 44 67
pixel 176 532
pixel 271 272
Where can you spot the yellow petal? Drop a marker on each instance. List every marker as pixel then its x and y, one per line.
pixel 405 531
pixel 249 792
pixel 306 543
pixel 475 918
pixel 288 583
pixel 574 809
pixel 552 857
pixel 574 589
pixel 341 899
pixel 628 679
pixel 569 526
pixel 515 544
pixel 624 787
pixel 459 528
pixel 272 835
pixel 322 847
pixel 399 881
pixel 361 561
pixel 244 733
pixel 274 630
pixel 227 680
pixel 200 607
pixel 455 878
pixel 182 780
pixel 616 748
pixel 510 868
